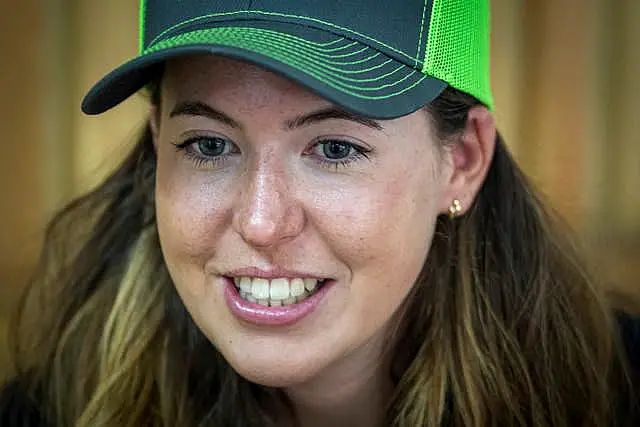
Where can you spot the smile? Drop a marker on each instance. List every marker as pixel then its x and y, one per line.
pixel 276 292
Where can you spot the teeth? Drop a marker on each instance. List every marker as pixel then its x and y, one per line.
pixel 279 289
pixel 297 287
pixel 244 284
pixel 310 284
pixel 276 292
pixel 260 288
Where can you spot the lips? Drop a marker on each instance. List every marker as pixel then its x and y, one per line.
pixel 250 298
pixel 276 292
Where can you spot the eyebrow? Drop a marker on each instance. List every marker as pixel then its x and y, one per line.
pixel 189 108
pixel 331 113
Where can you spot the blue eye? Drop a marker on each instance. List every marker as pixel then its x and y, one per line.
pixel 336 150
pixel 207 150
pixel 212 147
pixel 335 153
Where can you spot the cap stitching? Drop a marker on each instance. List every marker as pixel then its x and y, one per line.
pixel 286 39
pixel 328 78
pixel 424 13
pixel 284 43
pixel 282 15
pixel 291 44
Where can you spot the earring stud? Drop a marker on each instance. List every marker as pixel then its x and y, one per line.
pixel 455 209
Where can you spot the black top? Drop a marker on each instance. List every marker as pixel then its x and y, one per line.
pixel 20 409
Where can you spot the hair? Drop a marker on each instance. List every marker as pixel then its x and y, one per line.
pixel 504 326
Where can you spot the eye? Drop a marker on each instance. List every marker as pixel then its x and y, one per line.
pixel 211 147
pixel 206 150
pixel 336 150
pixel 335 153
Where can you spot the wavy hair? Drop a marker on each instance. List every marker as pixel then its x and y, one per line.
pixel 505 325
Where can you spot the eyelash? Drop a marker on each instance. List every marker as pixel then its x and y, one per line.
pixel 200 160
pixel 357 153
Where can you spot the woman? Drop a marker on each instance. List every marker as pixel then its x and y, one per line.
pixel 319 226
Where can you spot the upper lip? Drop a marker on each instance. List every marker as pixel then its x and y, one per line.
pixel 272 273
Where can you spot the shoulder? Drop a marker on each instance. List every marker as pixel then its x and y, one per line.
pixel 19 407
pixel 629 329
pixel 630 334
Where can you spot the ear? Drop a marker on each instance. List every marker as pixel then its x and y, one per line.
pixel 470 157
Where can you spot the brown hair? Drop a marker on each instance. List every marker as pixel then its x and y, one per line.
pixel 504 326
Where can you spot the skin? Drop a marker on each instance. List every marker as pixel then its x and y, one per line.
pixel 271 201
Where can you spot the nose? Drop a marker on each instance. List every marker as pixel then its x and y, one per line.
pixel 266 211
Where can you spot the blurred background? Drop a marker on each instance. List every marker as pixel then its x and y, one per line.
pixel 566 77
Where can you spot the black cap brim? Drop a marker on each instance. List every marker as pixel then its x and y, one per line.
pixel 354 76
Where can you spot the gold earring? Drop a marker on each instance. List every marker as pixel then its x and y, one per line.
pixel 455 209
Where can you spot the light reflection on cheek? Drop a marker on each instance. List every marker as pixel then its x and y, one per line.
pixel 192 208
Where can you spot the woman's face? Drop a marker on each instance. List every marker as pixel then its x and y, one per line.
pixel 262 184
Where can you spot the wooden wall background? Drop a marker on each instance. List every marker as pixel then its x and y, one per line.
pixel 566 77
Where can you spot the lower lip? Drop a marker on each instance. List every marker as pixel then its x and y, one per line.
pixel 271 316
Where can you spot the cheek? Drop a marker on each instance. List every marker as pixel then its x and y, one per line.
pixel 191 213
pixel 382 231
pixel 396 209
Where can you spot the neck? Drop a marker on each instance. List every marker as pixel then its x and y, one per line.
pixel 354 393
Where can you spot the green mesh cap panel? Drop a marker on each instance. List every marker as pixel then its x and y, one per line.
pixel 458 46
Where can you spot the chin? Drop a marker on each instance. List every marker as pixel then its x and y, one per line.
pixel 268 374
pixel 273 363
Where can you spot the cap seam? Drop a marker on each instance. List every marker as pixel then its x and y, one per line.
pixel 415 61
pixel 143 18
pixel 424 13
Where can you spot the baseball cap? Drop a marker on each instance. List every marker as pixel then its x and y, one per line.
pixel 378 58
